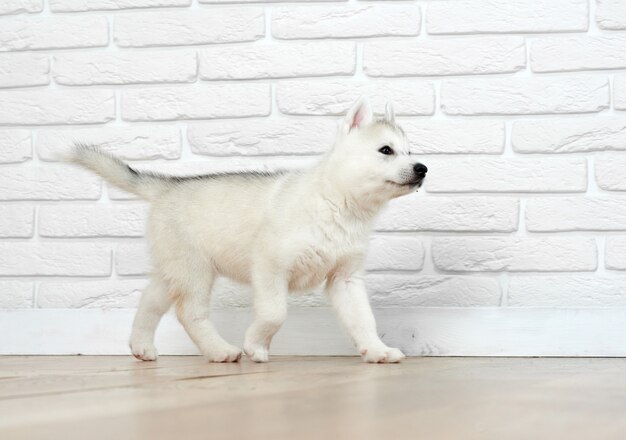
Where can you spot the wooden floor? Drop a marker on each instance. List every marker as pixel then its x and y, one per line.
pixel 311 398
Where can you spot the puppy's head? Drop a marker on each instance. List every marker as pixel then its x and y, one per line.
pixel 371 155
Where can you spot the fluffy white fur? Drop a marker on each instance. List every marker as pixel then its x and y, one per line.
pixel 281 233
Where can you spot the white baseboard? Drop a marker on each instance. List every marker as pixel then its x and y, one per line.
pixel 314 331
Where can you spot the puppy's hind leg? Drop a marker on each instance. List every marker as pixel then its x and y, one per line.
pixel 155 301
pixel 192 308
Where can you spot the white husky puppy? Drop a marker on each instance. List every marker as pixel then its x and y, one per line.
pixel 279 232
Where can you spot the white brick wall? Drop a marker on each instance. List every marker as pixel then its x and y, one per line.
pixel 506 16
pixel 611 14
pixel 569 136
pixel 63 259
pixel 515 254
pixel 525 96
pixel 334 97
pixel 96 5
pixel 567 291
pixel 507 175
pixel 19 6
pixel 562 54
pixel 23 69
pixel 174 28
pixel 196 101
pixel 134 143
pixel 53 32
pixel 77 69
pixel 339 21
pixel 552 214
pixel 615 253
pixel 126 220
pixel 15 146
pixel 30 107
pixel 619 94
pixel 517 107
pixel 267 61
pixel 454 56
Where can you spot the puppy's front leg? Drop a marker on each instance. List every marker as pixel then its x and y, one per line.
pixel 349 298
pixel 270 307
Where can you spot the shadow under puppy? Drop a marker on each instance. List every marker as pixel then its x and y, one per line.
pixel 279 232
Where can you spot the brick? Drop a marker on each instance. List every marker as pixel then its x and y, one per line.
pixel 278 61
pixel 90 294
pixel 124 68
pixel 16 295
pixel 336 97
pixel 345 21
pixel 56 107
pixel 395 253
pixel 199 101
pixel 52 182
pixel 525 96
pixel 609 173
pixel 506 16
pixel 567 291
pixel 111 5
pixel 506 175
pixel 23 69
pixel 62 259
pixel 563 54
pixel 515 254
pixel 126 220
pixel 200 26
pixel 615 253
pixel 58 32
pixel 569 136
pixel 448 136
pixel 252 137
pixel 458 214
pixel 432 291
pixel 576 214
pixel 20 6
pixel 15 146
pixel 619 92
pixel 611 14
pixel 16 221
pixel 454 56
pixel 131 143
pixel 132 259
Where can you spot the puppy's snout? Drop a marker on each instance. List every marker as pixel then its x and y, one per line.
pixel 420 170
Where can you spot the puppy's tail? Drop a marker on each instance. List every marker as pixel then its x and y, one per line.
pixel 145 185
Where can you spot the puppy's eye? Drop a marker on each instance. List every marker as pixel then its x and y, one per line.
pixel 386 150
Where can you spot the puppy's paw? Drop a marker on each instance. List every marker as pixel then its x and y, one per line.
pixel 257 353
pixel 143 351
pixel 382 355
pixel 228 353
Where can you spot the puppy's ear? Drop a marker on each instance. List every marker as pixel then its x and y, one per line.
pixel 359 115
pixel 390 115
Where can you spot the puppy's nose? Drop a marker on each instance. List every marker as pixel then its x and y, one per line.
pixel 420 169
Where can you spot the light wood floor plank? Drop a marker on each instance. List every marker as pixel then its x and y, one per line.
pixel 314 397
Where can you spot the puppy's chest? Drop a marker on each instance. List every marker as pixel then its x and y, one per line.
pixel 317 259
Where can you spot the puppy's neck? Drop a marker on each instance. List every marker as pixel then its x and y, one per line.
pixel 351 203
